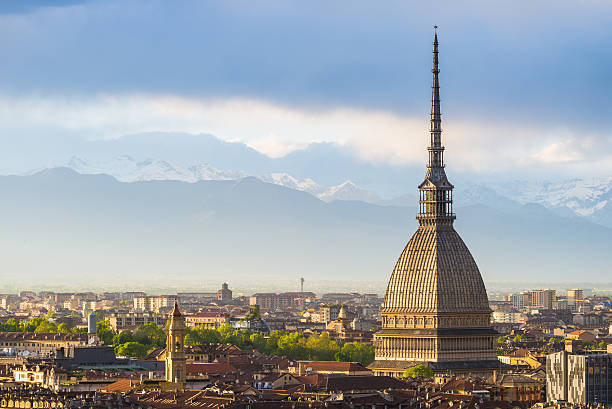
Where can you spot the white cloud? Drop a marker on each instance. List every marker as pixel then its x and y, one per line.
pixel 275 130
pixel 573 149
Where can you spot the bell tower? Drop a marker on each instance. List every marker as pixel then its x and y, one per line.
pixel 176 361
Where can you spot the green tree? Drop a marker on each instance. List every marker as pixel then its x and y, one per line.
pixel 517 338
pixel 209 336
pixel 123 337
pixel 152 335
pixel 132 350
pixel 258 341
pixel 322 347
pixel 192 337
pixel 225 332
pixel 63 328
pixel 11 325
pixel 419 370
pixel 356 352
pixel 30 326
pixel 502 340
pixel 253 314
pixel 104 332
pixel 79 330
pixel 46 326
pixel 588 345
pixel 293 346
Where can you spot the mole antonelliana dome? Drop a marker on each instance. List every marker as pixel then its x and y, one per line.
pixel 436 311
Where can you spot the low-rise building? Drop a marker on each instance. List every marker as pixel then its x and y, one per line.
pixel 508 317
pixel 131 320
pixel 582 335
pixel 516 388
pixel 208 320
pixel 272 301
pixel 328 368
pixel 41 375
pixel 40 343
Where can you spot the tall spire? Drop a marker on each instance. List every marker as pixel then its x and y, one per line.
pixel 435 149
pixel 436 197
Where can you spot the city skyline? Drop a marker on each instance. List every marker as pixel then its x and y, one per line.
pixel 240 205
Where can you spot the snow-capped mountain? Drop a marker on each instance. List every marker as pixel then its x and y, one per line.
pixel 284 179
pixel 589 198
pixel 127 169
pixel 583 196
pixel 348 191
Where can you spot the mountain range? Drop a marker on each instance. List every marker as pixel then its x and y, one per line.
pixel 126 169
pixel 588 198
pixel 159 209
pixel 95 230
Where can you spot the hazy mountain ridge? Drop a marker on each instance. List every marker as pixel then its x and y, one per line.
pixel 329 164
pixel 590 198
pixel 92 228
pixel 127 169
pixel 587 197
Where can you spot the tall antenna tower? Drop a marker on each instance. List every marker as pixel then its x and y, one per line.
pixel 302 284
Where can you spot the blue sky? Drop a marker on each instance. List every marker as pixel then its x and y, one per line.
pixel 525 86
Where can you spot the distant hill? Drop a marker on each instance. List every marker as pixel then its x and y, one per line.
pixel 91 229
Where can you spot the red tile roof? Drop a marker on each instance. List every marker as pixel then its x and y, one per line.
pixel 121 386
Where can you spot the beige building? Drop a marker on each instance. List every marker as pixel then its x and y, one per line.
pixel 9 301
pixel 40 343
pixel 436 311
pixel 543 299
pixel 41 375
pixel 301 368
pixel 509 317
pixel 575 294
pixel 271 301
pixel 329 313
pixel 224 294
pixel 131 320
pixel 208 320
pixel 153 303
pixel 521 301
